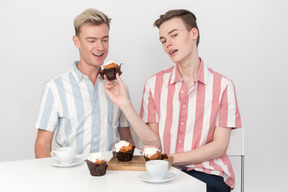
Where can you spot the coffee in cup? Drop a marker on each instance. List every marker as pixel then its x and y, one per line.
pixel 157 169
pixel 64 155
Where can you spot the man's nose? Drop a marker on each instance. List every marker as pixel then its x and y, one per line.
pixel 98 45
pixel 168 43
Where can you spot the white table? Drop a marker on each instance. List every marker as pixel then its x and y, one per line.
pixel 39 175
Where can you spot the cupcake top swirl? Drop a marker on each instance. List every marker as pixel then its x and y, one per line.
pixel 120 144
pixel 105 65
pixel 149 151
pixel 96 156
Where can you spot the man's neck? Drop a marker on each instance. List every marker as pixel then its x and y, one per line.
pixel 90 71
pixel 188 69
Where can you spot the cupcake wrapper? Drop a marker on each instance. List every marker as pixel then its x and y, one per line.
pixel 111 73
pixel 95 169
pixel 127 156
pixel 163 156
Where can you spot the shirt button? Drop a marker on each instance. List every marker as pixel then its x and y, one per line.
pixel 179 141
pixel 184 106
pixel 182 91
pixel 182 123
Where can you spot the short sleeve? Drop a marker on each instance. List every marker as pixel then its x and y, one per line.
pixel 148 110
pixel 229 115
pixel 47 118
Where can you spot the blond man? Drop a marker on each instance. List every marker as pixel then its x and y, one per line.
pixel 74 104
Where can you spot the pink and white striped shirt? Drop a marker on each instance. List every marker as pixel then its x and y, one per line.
pixel 188 121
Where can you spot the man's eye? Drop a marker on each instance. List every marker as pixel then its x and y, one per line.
pixel 174 35
pixel 91 41
pixel 105 40
pixel 164 41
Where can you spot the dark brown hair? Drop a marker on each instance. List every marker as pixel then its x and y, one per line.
pixel 187 17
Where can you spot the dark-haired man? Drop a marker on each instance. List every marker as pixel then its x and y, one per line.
pixel 190 109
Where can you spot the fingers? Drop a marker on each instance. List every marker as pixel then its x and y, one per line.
pixel 108 82
pixel 119 79
pixel 108 86
pixel 105 78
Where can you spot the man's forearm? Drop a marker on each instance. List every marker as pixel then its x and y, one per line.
pixel 42 151
pixel 213 150
pixel 198 155
pixel 43 143
pixel 143 131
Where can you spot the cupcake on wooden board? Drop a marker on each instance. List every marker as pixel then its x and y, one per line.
pixel 96 164
pixel 152 153
pixel 110 69
pixel 124 150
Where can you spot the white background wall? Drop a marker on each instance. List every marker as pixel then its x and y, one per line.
pixel 244 40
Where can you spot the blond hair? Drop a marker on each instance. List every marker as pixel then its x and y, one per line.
pixel 92 16
pixel 187 17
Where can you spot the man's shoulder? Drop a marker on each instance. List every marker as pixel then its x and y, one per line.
pixel 162 73
pixel 58 78
pixel 215 74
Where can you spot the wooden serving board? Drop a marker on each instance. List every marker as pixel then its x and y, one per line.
pixel 136 164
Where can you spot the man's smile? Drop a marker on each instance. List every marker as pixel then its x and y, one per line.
pixel 98 55
pixel 171 52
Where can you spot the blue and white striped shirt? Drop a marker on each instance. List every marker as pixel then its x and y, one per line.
pixel 83 115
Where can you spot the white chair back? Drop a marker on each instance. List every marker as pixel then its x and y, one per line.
pixel 236 154
pixel 236 144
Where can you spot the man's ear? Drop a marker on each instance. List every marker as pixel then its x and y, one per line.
pixel 194 32
pixel 76 41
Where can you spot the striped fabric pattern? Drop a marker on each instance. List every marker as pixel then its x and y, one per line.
pixel 188 122
pixel 82 115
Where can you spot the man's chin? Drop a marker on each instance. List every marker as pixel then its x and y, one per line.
pixel 98 63
pixel 175 60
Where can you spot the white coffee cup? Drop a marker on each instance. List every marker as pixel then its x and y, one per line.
pixel 64 155
pixel 157 169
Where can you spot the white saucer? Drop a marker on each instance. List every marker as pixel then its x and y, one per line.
pixel 145 177
pixel 56 163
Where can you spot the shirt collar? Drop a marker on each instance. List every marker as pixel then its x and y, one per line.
pixel 201 76
pixel 79 76
pixel 76 71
